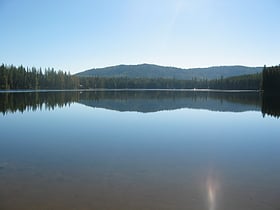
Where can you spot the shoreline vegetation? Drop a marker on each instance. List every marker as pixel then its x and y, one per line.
pixel 31 79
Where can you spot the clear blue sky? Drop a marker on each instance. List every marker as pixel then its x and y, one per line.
pixel 77 35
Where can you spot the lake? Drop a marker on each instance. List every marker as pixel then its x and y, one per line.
pixel 139 150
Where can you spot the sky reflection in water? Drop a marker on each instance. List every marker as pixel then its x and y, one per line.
pixel 86 157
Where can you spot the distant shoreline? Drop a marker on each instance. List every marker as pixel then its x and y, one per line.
pixel 129 89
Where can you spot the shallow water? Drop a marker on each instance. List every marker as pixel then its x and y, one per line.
pixel 138 150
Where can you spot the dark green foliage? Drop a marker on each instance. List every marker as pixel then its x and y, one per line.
pixel 14 78
pixel 271 91
pixel 246 82
pixel 271 79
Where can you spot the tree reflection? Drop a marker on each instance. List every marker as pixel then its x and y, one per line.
pixel 271 104
pixel 141 101
pixel 152 101
pixel 32 101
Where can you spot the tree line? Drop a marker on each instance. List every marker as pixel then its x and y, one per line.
pixel 14 78
pixel 271 91
pixel 245 82
pixel 271 79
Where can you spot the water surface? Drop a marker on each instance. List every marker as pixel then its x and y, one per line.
pixel 138 150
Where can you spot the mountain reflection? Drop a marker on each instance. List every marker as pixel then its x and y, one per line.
pixel 138 101
pixel 152 101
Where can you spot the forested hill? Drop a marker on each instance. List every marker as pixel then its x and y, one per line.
pixel 153 71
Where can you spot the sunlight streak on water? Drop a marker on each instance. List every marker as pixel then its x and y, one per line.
pixel 212 187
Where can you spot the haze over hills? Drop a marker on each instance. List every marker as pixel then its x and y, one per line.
pixel 155 71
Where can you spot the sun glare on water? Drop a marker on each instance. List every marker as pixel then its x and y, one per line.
pixel 212 186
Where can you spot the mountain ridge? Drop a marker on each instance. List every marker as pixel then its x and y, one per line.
pixel 167 72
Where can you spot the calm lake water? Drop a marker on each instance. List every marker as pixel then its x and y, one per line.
pixel 138 150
